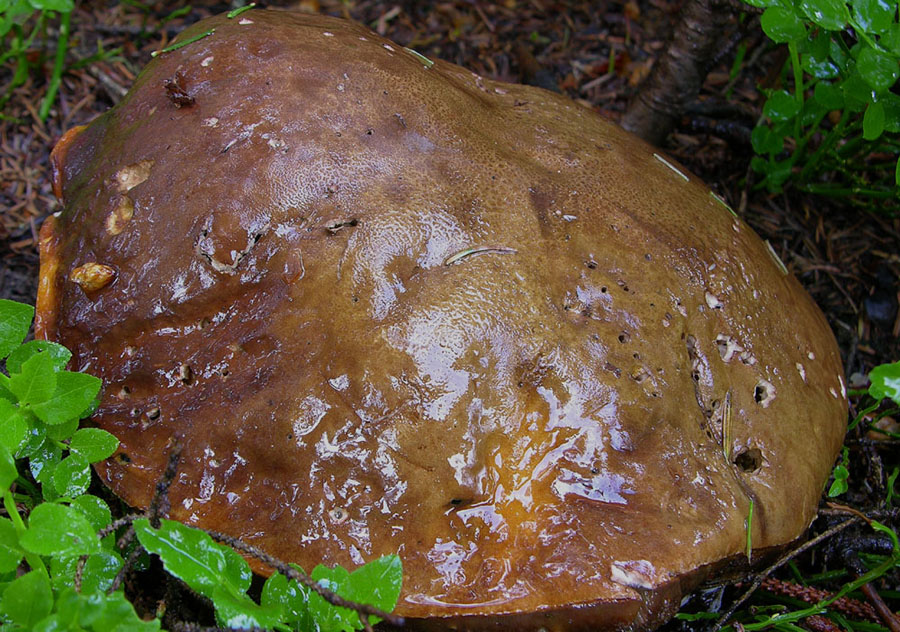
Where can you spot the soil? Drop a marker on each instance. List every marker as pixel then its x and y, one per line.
pixel 595 52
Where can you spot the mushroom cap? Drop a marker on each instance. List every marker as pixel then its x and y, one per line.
pixel 391 306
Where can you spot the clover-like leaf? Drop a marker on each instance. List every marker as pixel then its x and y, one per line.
pixel 93 444
pixel 15 319
pixel 55 529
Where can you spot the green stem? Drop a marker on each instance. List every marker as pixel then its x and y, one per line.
pixel 59 64
pixel 9 503
pixel 798 86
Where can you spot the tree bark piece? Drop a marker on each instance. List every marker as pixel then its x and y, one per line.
pixel 678 74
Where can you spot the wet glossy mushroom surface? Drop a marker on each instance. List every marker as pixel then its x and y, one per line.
pixel 391 306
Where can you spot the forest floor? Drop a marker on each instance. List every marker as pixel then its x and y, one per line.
pixel 595 52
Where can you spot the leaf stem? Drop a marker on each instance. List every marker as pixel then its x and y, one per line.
pixel 9 503
pixel 58 65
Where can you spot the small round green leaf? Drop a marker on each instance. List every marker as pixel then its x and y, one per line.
pixel 885 382
pixel 829 14
pixel 875 16
pixel 72 476
pixel 782 25
pixel 55 529
pixel 28 599
pixel 99 571
pixel 873 121
pixel 15 319
pixel 781 106
pixel 93 444
pixel 94 509
pixel 878 69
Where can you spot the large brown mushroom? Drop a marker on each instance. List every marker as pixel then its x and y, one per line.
pixel 391 306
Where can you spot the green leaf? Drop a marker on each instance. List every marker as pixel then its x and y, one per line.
pixel 93 444
pixel 878 69
pixel 873 121
pixel 73 394
pixel 897 174
pixel 72 476
pixel 829 14
pixel 828 95
pixel 10 552
pixel 59 353
pixel 27 599
pixel 290 597
pixel 239 611
pixel 94 509
pixel 113 613
pixel 99 571
pixel 329 618
pixel 817 59
pixel 55 529
pixel 875 16
pixel 193 557
pixel 8 471
pixel 63 6
pixel 61 432
pixel 36 381
pixel 839 486
pixel 376 583
pixel 13 426
pixel 782 25
pixel 43 460
pixel 15 319
pixel 891 39
pixel 885 381
pixel 891 104
pixel 781 106
pixel 765 140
